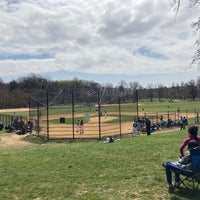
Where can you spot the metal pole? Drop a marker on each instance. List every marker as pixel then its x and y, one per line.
pixel 99 113
pixel 136 94
pixel 38 119
pixel 196 116
pixel 168 115
pixel 47 116
pixel 73 114
pixel 29 111
pixel 157 117
pixel 120 119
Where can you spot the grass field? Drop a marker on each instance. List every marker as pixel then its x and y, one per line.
pixel 128 169
pixel 91 170
pixel 147 106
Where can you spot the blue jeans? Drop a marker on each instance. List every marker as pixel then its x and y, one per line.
pixel 169 167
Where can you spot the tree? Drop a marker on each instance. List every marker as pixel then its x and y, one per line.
pixel 160 90
pixel 12 85
pixel 134 86
pixel 192 89
pixel 122 89
pixel 198 87
pixel 195 4
pixel 150 92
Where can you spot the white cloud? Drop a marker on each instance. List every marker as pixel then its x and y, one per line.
pixel 95 36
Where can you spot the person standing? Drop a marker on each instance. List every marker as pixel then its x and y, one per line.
pixel 181 122
pixel 134 130
pixel 81 127
pixel 78 126
pixel 148 126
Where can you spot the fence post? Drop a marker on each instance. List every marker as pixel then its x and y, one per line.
pixel 195 114
pixel 99 113
pixel 38 119
pixel 186 114
pixel 73 113
pixel 168 115
pixel 157 117
pixel 47 116
pixel 175 116
pixel 29 110
pixel 136 94
pixel 120 119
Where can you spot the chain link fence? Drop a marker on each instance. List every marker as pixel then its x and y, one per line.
pixel 98 116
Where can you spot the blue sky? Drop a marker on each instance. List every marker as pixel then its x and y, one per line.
pixel 105 41
pixel 24 56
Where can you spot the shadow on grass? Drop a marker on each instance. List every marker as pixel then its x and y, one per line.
pixel 38 139
pixel 184 193
pixel 35 139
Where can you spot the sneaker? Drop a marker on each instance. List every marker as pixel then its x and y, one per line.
pixel 171 187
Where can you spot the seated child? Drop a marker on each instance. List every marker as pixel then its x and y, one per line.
pixel 183 163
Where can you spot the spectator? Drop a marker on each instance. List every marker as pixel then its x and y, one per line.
pixel 184 122
pixel 192 131
pixel 183 163
pixel 148 126
pixel 181 122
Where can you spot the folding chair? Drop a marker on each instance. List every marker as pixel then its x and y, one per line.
pixel 191 178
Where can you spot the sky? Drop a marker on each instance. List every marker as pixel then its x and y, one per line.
pixel 105 41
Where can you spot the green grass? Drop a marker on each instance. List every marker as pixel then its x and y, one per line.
pixel 163 106
pixel 154 106
pixel 124 118
pixel 126 169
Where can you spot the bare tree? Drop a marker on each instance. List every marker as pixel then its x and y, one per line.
pixel 198 87
pixel 196 57
pixel 160 90
pixel 192 89
pixel 134 86
pixel 150 92
pixel 195 4
pixel 122 88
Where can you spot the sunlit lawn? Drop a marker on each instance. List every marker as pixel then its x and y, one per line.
pixel 126 169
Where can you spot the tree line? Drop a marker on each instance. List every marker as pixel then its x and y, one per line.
pixel 16 93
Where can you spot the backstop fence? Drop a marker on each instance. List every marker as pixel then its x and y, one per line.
pixel 82 114
pixel 95 114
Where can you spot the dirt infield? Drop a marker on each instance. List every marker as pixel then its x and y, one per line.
pixel 91 128
pixel 14 110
